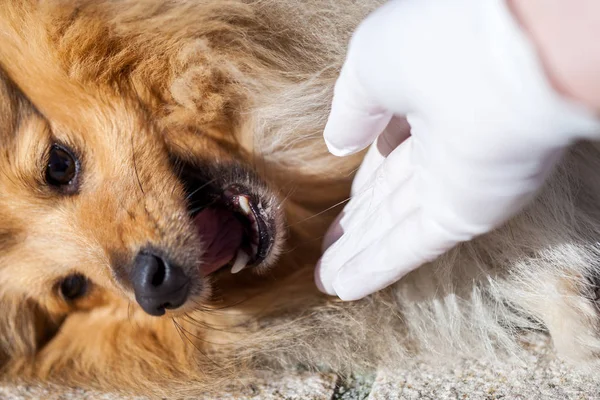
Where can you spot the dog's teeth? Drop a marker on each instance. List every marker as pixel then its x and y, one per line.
pixel 244 205
pixel 254 249
pixel 241 260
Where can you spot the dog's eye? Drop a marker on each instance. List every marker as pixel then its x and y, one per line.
pixel 73 287
pixel 62 169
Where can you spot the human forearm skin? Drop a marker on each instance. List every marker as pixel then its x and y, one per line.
pixel 566 34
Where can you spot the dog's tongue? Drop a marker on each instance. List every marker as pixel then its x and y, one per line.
pixel 221 235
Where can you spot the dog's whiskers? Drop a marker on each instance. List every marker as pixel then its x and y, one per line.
pixel 196 209
pixel 307 242
pixel 178 167
pixel 135 168
pixel 192 321
pixel 200 338
pixel 226 329
pixel 189 196
pixel 287 197
pixel 320 213
pixel 182 334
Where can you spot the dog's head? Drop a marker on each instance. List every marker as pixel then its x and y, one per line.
pixel 131 186
pixel 98 199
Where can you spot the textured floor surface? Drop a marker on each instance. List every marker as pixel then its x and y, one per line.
pixel 540 377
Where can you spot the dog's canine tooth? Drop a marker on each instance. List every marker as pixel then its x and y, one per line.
pixel 244 205
pixel 241 260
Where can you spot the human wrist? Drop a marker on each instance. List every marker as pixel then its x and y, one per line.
pixel 563 34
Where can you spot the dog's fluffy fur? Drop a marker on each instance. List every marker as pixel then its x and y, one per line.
pixel 131 83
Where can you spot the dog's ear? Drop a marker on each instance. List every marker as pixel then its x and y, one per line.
pixel 24 329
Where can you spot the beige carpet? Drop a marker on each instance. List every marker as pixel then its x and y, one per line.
pixel 542 376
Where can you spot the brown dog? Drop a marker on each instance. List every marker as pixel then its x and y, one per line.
pixel 151 148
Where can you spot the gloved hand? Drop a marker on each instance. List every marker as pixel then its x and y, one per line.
pixel 487 128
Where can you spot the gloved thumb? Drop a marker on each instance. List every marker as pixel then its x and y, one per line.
pixel 356 119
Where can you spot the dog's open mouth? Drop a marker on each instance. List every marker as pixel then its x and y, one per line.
pixel 234 231
pixel 234 228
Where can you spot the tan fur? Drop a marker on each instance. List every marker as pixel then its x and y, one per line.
pixel 129 83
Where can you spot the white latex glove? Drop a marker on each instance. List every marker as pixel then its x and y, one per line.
pixel 487 129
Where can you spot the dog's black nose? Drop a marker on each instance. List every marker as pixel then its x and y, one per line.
pixel 157 284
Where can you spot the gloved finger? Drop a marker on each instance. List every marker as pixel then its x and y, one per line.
pixel 364 231
pixel 358 209
pixel 356 118
pixel 372 212
pixel 362 106
pixel 335 231
pixel 394 254
pixel 397 131
pixel 373 182
pixel 343 240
